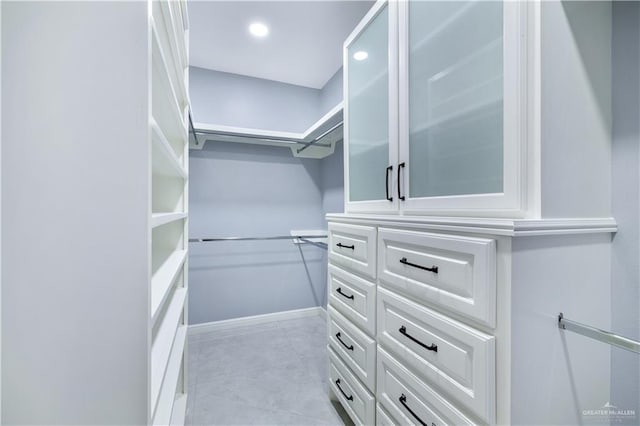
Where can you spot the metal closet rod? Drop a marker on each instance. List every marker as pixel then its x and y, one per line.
pixel 276 237
pixel 316 140
pixel 315 243
pixel 597 334
pixel 262 138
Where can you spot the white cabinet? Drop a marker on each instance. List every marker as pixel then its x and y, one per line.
pixel 371 95
pixel 462 92
pixel 466 135
pixel 443 122
pixel 492 214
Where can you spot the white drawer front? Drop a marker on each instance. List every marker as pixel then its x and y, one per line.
pixel 356 349
pixel 409 401
pixel 455 358
pixel 456 273
pixel 354 247
pixel 354 397
pixel 354 297
pixel 382 417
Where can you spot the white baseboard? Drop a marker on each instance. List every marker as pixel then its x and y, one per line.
pixel 323 312
pixel 256 319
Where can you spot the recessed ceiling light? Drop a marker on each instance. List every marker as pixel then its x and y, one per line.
pixel 259 29
pixel 360 55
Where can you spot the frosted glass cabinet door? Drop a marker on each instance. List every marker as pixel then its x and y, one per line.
pixel 453 130
pixel 368 130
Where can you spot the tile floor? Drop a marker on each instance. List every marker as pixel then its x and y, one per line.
pixel 267 374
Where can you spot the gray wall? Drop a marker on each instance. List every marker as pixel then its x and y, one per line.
pixel 240 101
pixel 332 171
pixel 251 190
pixel 331 94
pixel 625 281
pixel 576 109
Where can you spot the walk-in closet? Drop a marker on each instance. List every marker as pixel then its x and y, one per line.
pixel 340 212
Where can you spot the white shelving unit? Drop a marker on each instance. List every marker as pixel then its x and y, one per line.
pixel 318 141
pixel 169 141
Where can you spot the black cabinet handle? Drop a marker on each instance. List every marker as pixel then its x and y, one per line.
pixel 386 180
pixel 349 398
pixel 339 290
pixel 400 167
pixel 432 347
pixel 433 269
pixel 343 343
pixel 403 401
pixel 352 247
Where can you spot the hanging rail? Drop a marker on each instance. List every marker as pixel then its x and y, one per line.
pixel 315 243
pixel 316 140
pixel 283 140
pixel 276 237
pixel 597 334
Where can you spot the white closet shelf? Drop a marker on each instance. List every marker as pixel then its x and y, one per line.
pixel 166 162
pixel 162 281
pixel 164 344
pixel 166 109
pixel 166 399
pixel 176 78
pixel 318 141
pixel 159 219
pixel 179 410
pixel 180 55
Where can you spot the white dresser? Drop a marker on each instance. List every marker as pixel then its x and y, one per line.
pixel 473 217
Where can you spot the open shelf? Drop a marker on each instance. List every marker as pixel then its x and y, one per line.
pixel 170 17
pixel 166 343
pixel 175 71
pixel 169 139
pixel 165 160
pixel 159 219
pixel 162 281
pixel 167 392
pixel 322 135
pixel 168 113
pixel 179 411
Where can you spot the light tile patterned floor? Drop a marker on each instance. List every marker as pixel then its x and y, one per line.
pixel 268 374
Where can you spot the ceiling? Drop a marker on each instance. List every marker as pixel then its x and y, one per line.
pixel 304 45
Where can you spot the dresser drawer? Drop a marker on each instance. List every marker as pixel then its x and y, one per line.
pixel 354 297
pixel 452 357
pixel 453 272
pixel 354 397
pixel 409 401
pixel 354 247
pixel 357 350
pixel 382 417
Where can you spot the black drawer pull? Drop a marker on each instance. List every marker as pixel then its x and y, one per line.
pixel 343 343
pixel 403 401
pixel 339 290
pixel 400 167
pixel 433 269
pixel 386 178
pixel 349 398
pixel 432 347
pixel 352 247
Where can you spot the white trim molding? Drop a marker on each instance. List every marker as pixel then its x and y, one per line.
pixel 492 226
pixel 256 319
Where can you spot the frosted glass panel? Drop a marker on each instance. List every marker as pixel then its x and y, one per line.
pixel 368 94
pixel 455 98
